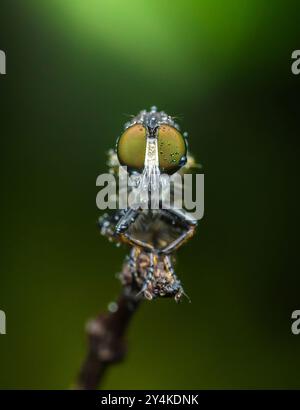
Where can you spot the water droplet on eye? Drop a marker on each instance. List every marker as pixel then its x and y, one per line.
pixel 182 160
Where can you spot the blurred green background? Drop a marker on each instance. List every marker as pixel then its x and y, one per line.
pixel 75 70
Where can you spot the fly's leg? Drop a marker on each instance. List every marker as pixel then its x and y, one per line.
pixel 127 219
pixel 129 275
pixel 107 223
pixel 186 221
pixel 122 226
pixel 168 265
pixel 138 271
pixel 133 258
pixel 176 287
pixel 148 280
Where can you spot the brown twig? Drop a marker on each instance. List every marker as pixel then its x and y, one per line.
pixel 106 344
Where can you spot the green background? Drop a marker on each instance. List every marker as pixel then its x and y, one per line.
pixel 75 70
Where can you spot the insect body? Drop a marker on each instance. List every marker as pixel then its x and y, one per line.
pixel 151 146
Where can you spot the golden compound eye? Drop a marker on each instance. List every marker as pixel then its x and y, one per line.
pixel 171 149
pixel 131 147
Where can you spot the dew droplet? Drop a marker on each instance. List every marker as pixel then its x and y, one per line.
pixel 113 307
pixel 182 160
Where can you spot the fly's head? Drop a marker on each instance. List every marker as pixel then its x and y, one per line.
pixel 152 144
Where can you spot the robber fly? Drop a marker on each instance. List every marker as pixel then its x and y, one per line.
pixel 150 146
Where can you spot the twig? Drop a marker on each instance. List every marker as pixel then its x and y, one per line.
pixel 106 344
